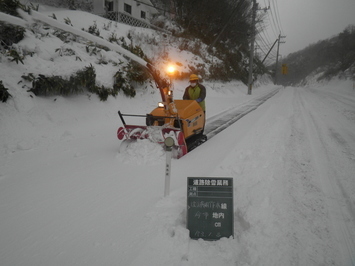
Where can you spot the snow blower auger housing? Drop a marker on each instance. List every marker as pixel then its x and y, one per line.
pixel 183 120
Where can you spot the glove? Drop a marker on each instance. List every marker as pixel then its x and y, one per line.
pixel 198 100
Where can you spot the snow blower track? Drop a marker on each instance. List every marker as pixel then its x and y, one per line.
pixel 223 120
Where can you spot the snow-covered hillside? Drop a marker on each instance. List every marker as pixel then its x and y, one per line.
pixel 67 197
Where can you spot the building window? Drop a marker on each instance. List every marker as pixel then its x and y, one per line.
pixel 128 8
pixel 142 14
pixel 109 6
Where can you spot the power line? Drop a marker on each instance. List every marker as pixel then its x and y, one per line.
pixel 263 39
pixel 274 24
pixel 276 17
pixel 278 14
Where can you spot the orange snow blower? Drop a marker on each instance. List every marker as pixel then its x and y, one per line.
pixel 182 120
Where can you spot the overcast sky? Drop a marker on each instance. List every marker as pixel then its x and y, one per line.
pixel 304 22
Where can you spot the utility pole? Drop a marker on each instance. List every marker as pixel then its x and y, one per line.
pixel 251 57
pixel 277 57
pixel 253 33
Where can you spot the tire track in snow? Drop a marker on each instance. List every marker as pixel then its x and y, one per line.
pixel 329 179
pixel 223 120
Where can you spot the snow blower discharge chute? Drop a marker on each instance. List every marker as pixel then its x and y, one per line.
pixel 182 120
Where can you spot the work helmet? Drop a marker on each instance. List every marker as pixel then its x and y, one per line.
pixel 193 77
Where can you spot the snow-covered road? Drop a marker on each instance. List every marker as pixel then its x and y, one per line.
pixel 68 198
pixel 325 118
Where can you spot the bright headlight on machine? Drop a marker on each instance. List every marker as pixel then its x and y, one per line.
pixel 171 70
pixel 161 105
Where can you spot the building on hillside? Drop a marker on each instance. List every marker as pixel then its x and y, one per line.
pixel 133 12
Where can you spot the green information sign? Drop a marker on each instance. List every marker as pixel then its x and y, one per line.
pixel 210 207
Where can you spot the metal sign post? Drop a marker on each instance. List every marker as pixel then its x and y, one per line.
pixel 169 143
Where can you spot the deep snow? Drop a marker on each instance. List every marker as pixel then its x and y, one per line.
pixel 67 197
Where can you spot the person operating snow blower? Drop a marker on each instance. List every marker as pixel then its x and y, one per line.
pixel 196 91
